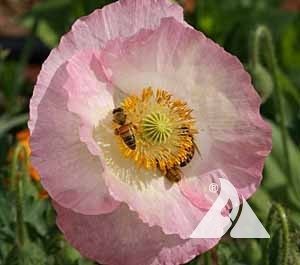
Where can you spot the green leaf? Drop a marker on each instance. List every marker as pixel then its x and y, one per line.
pixel 290 45
pixel 274 176
pixel 47 34
pixel 7 124
pixel 29 254
pixel 67 255
pixel 261 208
pixel 289 88
pixel 34 215
pixel 6 214
pixel 278 156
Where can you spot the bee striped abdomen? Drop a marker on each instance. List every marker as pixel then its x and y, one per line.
pixel 189 157
pixel 127 135
pixel 174 174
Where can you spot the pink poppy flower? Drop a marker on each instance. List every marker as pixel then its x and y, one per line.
pixel 131 189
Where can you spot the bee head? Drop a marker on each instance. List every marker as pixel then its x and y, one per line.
pixel 119 116
pixel 184 130
pixel 117 110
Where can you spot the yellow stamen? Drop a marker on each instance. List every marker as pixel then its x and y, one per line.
pixel 164 129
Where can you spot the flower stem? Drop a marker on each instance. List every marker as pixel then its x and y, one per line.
pixel 283 254
pixel 263 36
pixel 17 181
pixel 207 258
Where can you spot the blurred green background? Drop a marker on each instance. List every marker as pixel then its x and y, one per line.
pixel 264 34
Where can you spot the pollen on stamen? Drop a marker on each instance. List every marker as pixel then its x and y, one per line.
pixel 163 128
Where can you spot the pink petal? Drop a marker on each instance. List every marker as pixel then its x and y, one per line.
pixel 69 172
pixel 157 202
pixel 120 19
pixel 122 238
pixel 89 94
pixel 198 189
pixel 233 137
pixel 67 181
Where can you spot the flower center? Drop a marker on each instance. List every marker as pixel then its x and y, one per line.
pixel 157 127
pixel 161 127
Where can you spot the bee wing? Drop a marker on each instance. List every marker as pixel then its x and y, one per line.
pixel 118 96
pixel 182 175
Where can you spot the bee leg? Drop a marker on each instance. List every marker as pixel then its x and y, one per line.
pixel 117 132
pixel 198 150
pixel 134 126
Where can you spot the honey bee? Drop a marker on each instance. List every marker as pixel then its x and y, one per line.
pixel 191 151
pixel 174 174
pixel 126 130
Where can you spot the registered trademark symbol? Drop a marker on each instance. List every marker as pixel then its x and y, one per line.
pixel 213 187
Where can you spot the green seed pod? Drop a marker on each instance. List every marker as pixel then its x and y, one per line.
pixel 254 253
pixel 262 81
